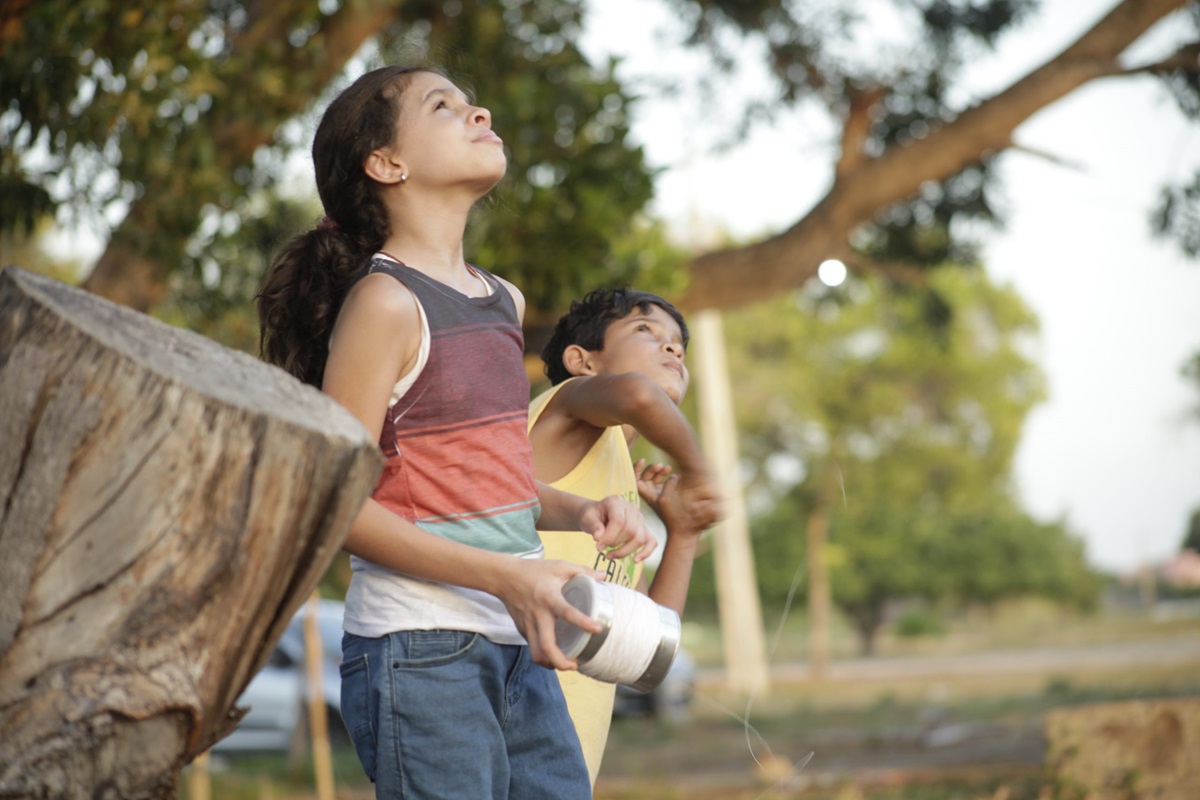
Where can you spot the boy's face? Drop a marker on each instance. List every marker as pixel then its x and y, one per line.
pixel 648 342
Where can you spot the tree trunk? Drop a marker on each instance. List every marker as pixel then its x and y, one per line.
pixel 868 619
pixel 818 589
pixel 166 505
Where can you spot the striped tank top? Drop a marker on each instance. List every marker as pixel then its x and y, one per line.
pixel 458 461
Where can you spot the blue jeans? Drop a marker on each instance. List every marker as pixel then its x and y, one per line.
pixel 450 714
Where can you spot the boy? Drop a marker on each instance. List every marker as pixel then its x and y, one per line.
pixel 616 360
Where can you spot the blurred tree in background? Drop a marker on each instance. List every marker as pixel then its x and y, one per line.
pixel 1191 537
pixel 854 405
pixel 183 116
pixel 893 406
pixel 153 119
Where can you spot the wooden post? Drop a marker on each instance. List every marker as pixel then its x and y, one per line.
pixel 199 780
pixel 737 588
pixel 166 505
pixel 314 658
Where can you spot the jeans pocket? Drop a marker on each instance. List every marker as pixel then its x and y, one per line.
pixel 358 710
pixel 433 648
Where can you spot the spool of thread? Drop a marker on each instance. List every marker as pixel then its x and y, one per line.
pixel 639 640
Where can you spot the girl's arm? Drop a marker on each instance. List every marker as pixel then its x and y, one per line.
pixel 359 375
pixel 617 525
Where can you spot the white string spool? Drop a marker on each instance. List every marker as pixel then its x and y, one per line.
pixel 639 640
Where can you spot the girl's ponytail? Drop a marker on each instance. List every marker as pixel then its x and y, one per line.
pixel 308 280
pixel 300 298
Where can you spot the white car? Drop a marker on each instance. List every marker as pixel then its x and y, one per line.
pixel 277 695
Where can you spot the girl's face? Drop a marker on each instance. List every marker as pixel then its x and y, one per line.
pixel 446 141
pixel 648 342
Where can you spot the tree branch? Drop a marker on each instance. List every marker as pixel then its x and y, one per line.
pixel 859 117
pixel 733 277
pixel 1186 58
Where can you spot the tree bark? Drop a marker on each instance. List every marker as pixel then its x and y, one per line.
pixel 166 505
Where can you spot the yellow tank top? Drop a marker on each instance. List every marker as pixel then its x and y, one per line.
pixel 607 469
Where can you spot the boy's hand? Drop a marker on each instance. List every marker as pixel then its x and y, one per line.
pixel 651 483
pixel 618 528
pixel 688 504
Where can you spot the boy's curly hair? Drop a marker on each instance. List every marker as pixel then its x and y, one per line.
pixel 589 318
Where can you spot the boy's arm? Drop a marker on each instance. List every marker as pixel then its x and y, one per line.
pixel 636 400
pixel 674 574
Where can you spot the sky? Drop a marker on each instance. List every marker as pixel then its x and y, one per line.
pixel 1112 451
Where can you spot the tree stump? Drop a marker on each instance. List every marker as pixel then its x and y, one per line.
pixel 1132 750
pixel 166 505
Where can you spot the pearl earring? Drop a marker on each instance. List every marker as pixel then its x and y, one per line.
pixel 403 177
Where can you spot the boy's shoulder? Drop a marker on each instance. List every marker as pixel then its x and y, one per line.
pixel 542 406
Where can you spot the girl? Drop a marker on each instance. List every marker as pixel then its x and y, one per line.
pixel 451 602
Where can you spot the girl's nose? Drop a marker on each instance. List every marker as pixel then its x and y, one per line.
pixel 675 349
pixel 481 116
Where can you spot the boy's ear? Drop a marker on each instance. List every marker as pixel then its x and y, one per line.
pixel 578 361
pixel 384 167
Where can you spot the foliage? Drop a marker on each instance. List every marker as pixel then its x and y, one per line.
pixel 1191 372
pixel 816 58
pixel 922 621
pixel 904 432
pixel 145 88
pixel 28 250
pixel 213 290
pixel 175 111
pixel 1177 215
pixel 158 93
pixel 1191 539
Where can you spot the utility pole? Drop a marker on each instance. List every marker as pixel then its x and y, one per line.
pixel 737 588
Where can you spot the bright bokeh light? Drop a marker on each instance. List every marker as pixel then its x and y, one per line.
pixel 831 272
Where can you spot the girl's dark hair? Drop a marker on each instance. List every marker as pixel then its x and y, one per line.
pixel 589 318
pixel 309 278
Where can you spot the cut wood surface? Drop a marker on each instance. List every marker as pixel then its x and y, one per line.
pixel 166 504
pixel 1133 750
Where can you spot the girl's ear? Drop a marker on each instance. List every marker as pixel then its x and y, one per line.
pixel 578 361
pixel 383 166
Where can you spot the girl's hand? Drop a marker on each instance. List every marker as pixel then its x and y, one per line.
pixel 618 528
pixel 533 596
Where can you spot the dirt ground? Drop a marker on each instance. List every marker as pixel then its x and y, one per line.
pixel 709 753
pixel 917 718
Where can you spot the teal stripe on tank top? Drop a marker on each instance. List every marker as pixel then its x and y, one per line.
pixel 512 532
